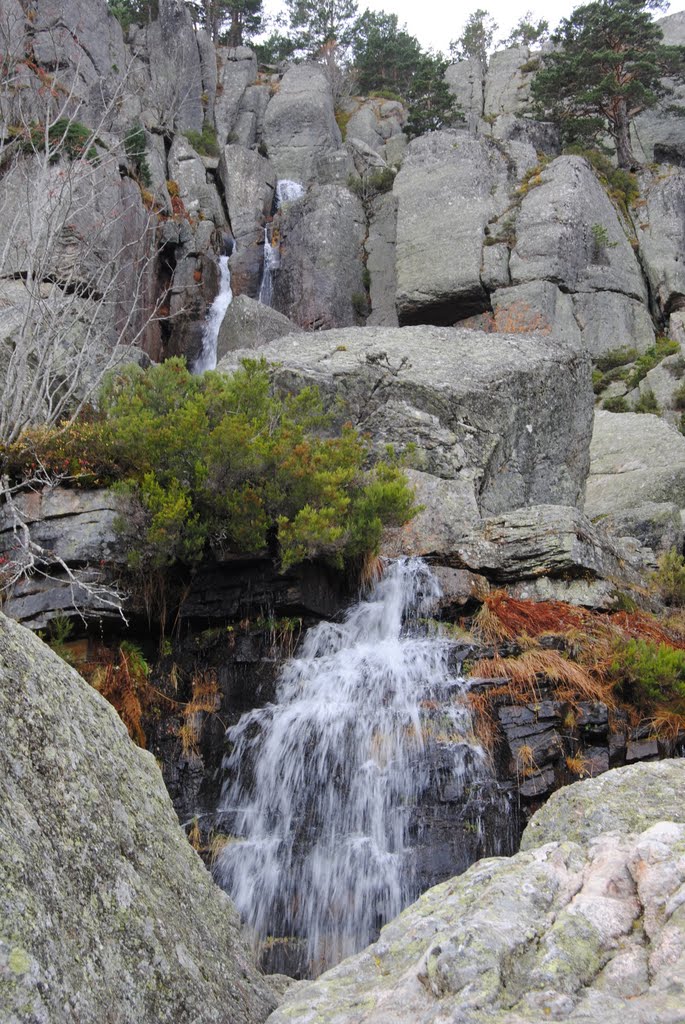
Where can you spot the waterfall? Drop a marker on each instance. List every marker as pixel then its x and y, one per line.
pixel 272 258
pixel 212 325
pixel 322 786
pixel 286 192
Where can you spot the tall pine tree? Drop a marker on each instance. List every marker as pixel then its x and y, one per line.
pixel 608 69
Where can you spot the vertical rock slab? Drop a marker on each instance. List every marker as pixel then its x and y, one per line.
pixel 466 82
pixel 299 124
pixel 320 282
pixel 380 261
pixel 661 237
pixel 248 181
pixel 174 94
pixel 507 84
pixel 237 70
pixel 450 185
pixel 106 913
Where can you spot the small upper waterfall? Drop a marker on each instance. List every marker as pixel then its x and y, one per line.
pixel 286 192
pixel 210 333
pixel 322 786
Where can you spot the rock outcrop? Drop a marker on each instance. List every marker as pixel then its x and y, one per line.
pixel 496 410
pixel 583 928
pixel 300 126
pixel 450 185
pixel 634 459
pixel 106 912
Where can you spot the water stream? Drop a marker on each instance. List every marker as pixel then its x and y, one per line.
pixel 286 192
pixel 323 785
pixel 212 325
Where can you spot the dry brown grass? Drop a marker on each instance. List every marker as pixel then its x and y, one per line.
pixel 578 765
pixel 534 667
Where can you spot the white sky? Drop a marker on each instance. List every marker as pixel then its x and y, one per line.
pixel 436 22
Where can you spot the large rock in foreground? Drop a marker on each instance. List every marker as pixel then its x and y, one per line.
pixel 509 415
pixel 106 913
pixel 574 931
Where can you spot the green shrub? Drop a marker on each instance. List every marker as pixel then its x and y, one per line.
pixel 65 136
pixel 647 674
pixel 616 404
pixel 135 146
pixel 647 403
pixel 205 142
pixel 371 184
pixel 669 579
pixel 223 461
pixel 651 358
pixel 616 357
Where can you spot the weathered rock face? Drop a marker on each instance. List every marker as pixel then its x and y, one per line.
pixel 374 122
pixel 606 319
pixel 250 324
pixel 450 185
pixel 299 126
pixel 173 96
pixel 661 234
pixel 319 283
pixel 106 912
pixel 237 69
pixel 86 44
pixel 629 799
pixel 634 459
pixel 497 410
pixel 567 232
pixel 580 930
pixel 507 85
pixel 380 261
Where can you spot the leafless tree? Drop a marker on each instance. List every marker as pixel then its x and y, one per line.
pixel 77 248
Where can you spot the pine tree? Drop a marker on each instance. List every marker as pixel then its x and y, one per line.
pixel 476 39
pixel 321 26
pixel 609 68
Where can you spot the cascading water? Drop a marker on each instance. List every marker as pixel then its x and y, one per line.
pixel 286 192
pixel 210 333
pixel 322 786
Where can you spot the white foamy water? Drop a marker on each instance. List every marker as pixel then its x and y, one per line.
pixel 322 784
pixel 217 311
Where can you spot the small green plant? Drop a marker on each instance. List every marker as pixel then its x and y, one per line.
pixel 205 142
pixel 360 304
pixel 616 404
pixel 59 632
pixel 648 674
pixel 65 136
pixel 616 357
pixel 669 579
pixel 600 240
pixel 652 357
pixel 135 146
pixel 679 398
pixel 647 403
pixel 371 184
